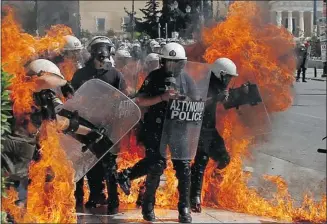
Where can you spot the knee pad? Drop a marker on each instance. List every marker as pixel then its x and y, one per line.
pixel 200 162
pixel 182 168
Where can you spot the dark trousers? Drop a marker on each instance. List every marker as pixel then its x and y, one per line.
pixel 105 169
pixel 303 70
pixel 211 145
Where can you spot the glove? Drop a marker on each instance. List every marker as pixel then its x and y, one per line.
pixel 93 137
pixel 223 161
pixel 67 90
pixel 223 96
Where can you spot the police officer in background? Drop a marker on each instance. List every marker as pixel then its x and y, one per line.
pixel 73 50
pixel 100 67
pixel 211 144
pixel 154 95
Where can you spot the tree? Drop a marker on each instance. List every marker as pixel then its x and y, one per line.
pixel 133 21
pixel 151 13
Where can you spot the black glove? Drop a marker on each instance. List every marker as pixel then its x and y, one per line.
pixel 93 137
pixel 67 89
pixel 223 161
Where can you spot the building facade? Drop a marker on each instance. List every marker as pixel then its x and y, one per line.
pixel 296 16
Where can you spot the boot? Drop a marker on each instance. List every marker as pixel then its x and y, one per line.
pixel 184 215
pixel 124 181
pixel 196 204
pixel 140 197
pixel 113 205
pixel 151 186
pixel 196 187
pixel 96 201
pixel 148 212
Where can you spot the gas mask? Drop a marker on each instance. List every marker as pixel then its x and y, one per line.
pixel 101 55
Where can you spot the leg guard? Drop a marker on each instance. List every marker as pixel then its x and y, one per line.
pixel 95 180
pixel 79 192
pixel 110 171
pixel 198 168
pixel 151 184
pixel 183 174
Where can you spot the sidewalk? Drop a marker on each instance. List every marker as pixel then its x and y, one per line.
pixel 310 75
pixel 208 215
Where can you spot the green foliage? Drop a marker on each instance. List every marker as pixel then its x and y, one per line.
pixel 5 103
pixel 5 124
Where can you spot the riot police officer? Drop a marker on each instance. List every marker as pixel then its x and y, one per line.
pixel 19 147
pixel 154 95
pixel 211 144
pixel 100 67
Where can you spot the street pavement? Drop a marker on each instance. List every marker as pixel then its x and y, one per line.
pixel 290 151
pixel 208 215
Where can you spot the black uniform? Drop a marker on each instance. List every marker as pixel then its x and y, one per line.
pixel 211 144
pixel 107 167
pixel 302 57
pixel 154 85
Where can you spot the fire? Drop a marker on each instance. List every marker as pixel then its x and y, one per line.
pixel 47 201
pixel 68 68
pixel 252 44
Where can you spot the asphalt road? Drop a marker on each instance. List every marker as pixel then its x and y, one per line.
pixel 290 150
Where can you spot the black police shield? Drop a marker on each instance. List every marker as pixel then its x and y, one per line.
pixel 243 116
pixel 184 114
pixel 99 105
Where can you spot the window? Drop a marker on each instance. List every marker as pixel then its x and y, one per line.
pixel 101 24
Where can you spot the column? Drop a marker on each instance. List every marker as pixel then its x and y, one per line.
pixel 301 23
pixel 279 18
pixel 311 23
pixel 290 22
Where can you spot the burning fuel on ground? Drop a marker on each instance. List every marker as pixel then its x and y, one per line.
pixel 244 38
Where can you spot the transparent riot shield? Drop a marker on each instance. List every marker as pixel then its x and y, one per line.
pixel 184 113
pixel 99 105
pixel 130 72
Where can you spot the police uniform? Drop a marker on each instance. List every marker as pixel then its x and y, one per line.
pixel 154 85
pixel 107 167
pixel 211 144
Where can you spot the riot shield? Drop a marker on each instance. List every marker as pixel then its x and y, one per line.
pixel 130 73
pixel 184 114
pixel 242 120
pixel 99 105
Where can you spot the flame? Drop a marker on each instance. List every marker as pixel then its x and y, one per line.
pixel 251 44
pixel 68 68
pixel 47 201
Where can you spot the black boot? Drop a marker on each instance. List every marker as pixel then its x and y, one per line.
pixel 148 212
pixel 113 205
pixel 96 200
pixel 110 174
pixel 124 181
pixel 197 173
pixel 140 196
pixel 151 185
pixel 183 174
pixel 184 215
pixel 79 193
pixel 125 177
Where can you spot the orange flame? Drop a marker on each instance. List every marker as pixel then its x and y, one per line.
pixel 68 68
pixel 52 201
pixel 17 49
